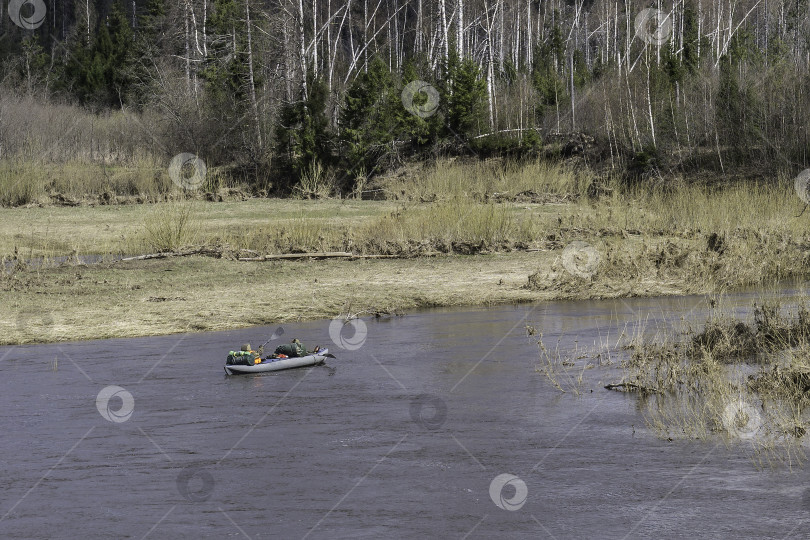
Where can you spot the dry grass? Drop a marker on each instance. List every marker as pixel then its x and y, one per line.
pixel 743 381
pixel 23 183
pixel 662 241
pixel 204 294
pixel 170 226
pixel 447 180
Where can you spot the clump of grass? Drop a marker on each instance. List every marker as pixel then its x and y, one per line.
pixel 562 372
pixel 21 183
pixel 739 380
pixel 460 227
pixel 170 225
pixel 315 183
pixel 771 331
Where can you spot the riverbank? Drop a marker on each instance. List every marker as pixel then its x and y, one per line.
pixel 456 235
pixel 194 294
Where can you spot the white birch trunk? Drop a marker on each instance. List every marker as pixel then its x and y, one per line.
pixel 302 50
pixel 251 81
pixel 460 29
pixel 445 38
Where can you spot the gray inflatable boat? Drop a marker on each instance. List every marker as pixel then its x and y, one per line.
pixel 276 364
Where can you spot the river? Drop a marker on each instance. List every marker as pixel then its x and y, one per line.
pixel 432 424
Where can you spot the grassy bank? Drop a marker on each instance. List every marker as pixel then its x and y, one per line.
pixel 534 232
pixel 201 293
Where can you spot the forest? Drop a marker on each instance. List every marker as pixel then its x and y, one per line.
pixel 286 93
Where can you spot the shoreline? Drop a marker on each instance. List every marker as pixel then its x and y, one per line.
pixel 201 294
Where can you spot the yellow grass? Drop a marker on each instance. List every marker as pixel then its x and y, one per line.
pixel 649 242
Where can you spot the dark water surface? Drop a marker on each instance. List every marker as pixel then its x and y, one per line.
pixel 400 438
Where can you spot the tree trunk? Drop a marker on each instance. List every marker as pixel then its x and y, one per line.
pixel 315 33
pixel 187 49
pixel 333 58
pixel 251 81
pixel 288 61
pixel 302 51
pixel 445 38
pixel 529 35
pixel 490 69
pixel 365 35
pixel 460 29
pixel 417 45
pixel 573 99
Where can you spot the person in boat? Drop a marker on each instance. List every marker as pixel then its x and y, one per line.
pixel 294 349
pixel 248 349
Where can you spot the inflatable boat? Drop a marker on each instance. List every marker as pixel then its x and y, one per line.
pixel 276 364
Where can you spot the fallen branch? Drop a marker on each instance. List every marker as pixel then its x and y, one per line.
pixel 220 253
pixel 212 252
pixel 316 255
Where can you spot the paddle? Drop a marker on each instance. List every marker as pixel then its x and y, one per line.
pixel 277 334
pixel 280 332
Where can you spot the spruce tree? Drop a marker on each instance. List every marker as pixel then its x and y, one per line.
pixel 465 99
pixel 368 121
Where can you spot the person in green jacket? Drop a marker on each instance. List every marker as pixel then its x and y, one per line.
pixel 293 349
